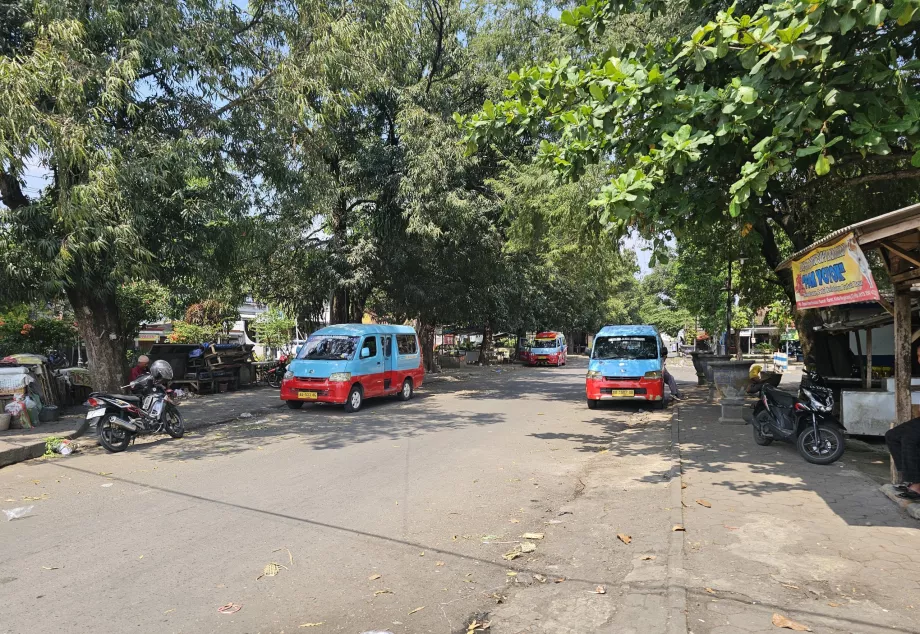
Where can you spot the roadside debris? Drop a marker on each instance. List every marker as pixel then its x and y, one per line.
pixel 230 608
pixel 271 569
pixel 539 578
pixel 678 527
pixel 532 536
pixel 384 591
pixel 624 538
pixel 290 556
pixel 107 485
pixel 248 415
pixel 478 626
pixel 600 590
pixel 705 503
pixel 311 624
pixel 781 621
pixel 17 513
pixel 649 557
pixel 411 612
pixel 374 577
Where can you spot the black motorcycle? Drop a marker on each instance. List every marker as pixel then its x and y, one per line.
pixel 275 374
pixel 119 419
pixel 805 421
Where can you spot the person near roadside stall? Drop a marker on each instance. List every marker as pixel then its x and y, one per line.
pixel 669 379
pixel 904 445
pixel 141 368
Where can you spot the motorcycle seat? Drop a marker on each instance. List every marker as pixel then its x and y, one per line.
pixel 780 397
pixel 130 398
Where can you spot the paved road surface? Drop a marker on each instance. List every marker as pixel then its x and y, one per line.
pixel 157 538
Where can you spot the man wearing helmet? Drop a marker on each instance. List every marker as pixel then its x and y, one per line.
pixel 141 367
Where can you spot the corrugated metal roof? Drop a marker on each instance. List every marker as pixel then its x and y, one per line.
pixel 859 228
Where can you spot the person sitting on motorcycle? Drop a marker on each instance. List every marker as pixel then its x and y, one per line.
pixel 141 368
pixel 669 379
pixel 904 444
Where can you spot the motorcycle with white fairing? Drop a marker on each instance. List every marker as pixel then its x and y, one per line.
pixel 151 408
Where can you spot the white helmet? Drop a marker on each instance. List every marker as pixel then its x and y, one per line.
pixel 161 370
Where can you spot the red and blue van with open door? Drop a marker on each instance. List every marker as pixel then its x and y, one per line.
pixel 347 363
pixel 626 364
pixel 548 348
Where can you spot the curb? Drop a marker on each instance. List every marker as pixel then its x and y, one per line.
pixel 37 449
pixel 911 508
pixel 677 593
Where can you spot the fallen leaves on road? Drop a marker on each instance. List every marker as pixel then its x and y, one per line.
pixel 511 573
pixel 532 536
pixel 624 538
pixel 374 577
pixel 528 547
pixel 683 485
pixel 230 608
pixel 710 591
pixel 789 585
pixel 705 503
pixel 559 580
pixel 649 557
pixel 600 590
pixel 478 626
pixel 416 610
pixel 514 520
pixel 731 528
pixel 104 473
pixel 50 568
pixel 311 624
pixel 32 498
pixel 678 527
pixel 439 563
pixel 512 554
pixel 781 621
pixel 834 605
pixel 108 484
pixel 384 591
pixel 271 569
pixel 539 578
pixel 290 556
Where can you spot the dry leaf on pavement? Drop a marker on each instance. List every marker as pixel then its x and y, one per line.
pixel 683 485
pixel 649 557
pixel 478 626
pixel 710 591
pixel 514 520
pixel 416 610
pixel 528 547
pixel 600 590
pixel 834 605
pixel 781 621
pixel 624 538
pixel 439 563
pixel 311 624
pixel 512 554
pixel 271 569
pixel 559 580
pixel 384 591
pixel 532 536
pixel 705 503
pixel 373 577
pixel 539 578
pixel 678 527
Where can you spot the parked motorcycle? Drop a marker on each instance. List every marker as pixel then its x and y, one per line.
pixel 150 409
pixel 57 360
pixel 274 374
pixel 805 421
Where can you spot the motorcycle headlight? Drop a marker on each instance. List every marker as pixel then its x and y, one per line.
pixel 594 374
pixel 288 375
pixel 340 377
pixel 653 375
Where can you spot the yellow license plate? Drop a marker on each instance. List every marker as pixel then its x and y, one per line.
pixel 307 395
pixel 622 393
pixel 542 358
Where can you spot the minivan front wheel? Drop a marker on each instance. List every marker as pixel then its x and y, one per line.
pixel 406 392
pixel 355 399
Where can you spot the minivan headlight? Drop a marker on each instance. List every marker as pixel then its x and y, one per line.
pixel 340 377
pixel 594 374
pixel 653 375
pixel 288 375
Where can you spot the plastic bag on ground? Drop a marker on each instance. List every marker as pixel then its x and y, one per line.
pixel 17 513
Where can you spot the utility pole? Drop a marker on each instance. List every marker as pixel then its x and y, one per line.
pixel 728 308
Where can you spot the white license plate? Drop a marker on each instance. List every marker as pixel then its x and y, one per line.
pixel 95 413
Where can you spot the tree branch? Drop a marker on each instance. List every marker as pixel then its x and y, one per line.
pixel 11 192
pixel 256 87
pixel 361 201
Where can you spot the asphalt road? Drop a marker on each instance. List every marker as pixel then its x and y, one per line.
pixel 370 516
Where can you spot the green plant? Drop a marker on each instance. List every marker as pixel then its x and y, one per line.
pixel 19 334
pixel 764 347
pixel 273 329
pixel 50 443
pixel 184 332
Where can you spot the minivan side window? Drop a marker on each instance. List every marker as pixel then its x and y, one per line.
pixel 406 344
pixel 370 343
pixel 388 346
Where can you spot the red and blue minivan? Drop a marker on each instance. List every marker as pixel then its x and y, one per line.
pixel 626 364
pixel 548 348
pixel 347 363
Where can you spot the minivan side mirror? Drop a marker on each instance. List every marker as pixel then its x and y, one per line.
pixel 365 353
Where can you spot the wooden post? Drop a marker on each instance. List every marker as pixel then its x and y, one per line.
pixel 902 335
pixel 862 362
pixel 868 358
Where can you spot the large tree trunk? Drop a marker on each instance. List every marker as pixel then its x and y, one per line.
pixel 100 327
pixel 338 309
pixel 486 347
pixel 426 334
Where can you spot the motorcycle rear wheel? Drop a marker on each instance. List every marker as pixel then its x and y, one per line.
pixel 830 446
pixel 112 437
pixel 175 425
pixel 759 437
pixel 274 380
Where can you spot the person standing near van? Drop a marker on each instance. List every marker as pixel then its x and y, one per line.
pixel 669 378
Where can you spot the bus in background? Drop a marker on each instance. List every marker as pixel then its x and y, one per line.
pixel 626 364
pixel 549 348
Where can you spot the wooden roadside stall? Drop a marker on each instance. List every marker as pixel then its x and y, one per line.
pixel 834 271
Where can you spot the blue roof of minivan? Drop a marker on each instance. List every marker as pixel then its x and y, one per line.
pixel 626 331
pixel 356 330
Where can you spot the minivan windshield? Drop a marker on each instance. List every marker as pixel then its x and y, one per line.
pixel 329 348
pixel 633 347
pixel 544 343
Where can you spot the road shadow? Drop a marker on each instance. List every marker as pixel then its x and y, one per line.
pixel 319 427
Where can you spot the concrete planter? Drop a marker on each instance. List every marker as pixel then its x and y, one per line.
pixel 699 366
pixel 731 379
pixel 705 361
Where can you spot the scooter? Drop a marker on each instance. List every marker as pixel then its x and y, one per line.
pixel 805 421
